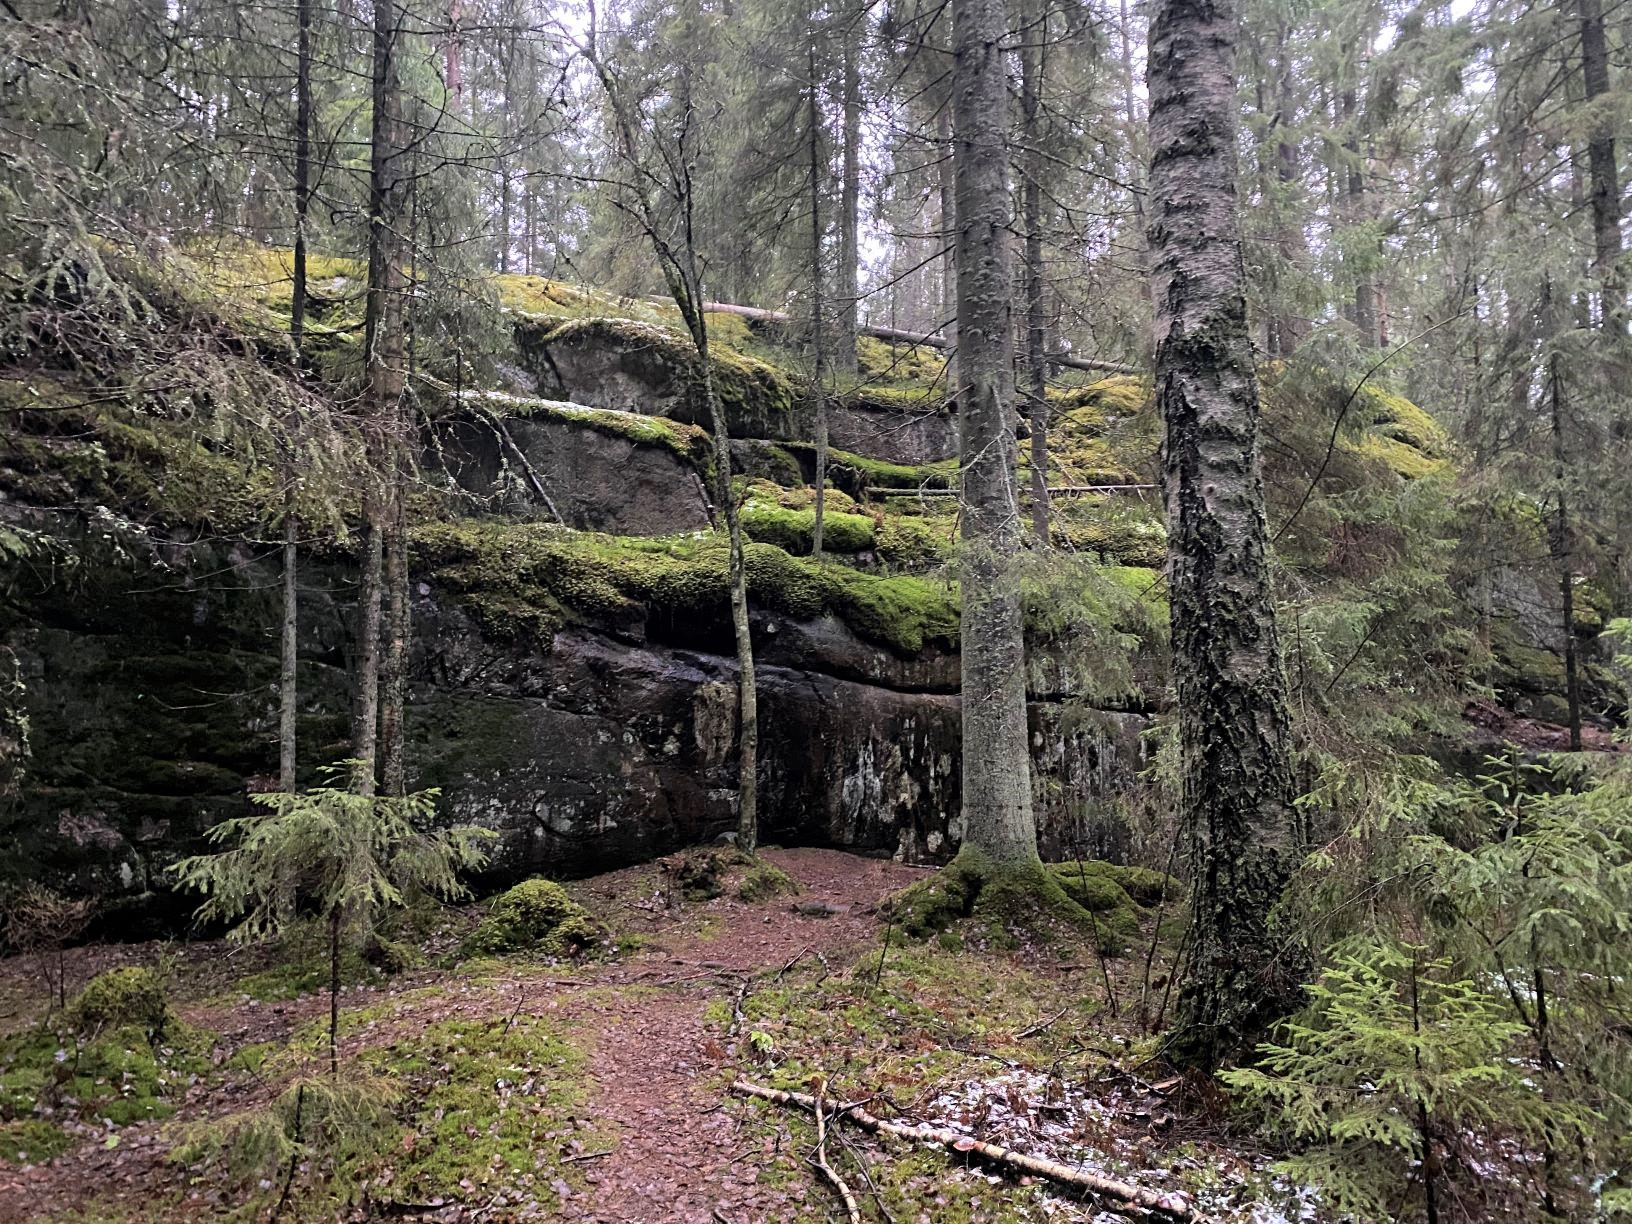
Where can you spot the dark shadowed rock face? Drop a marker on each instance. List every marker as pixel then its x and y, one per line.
pixel 905 435
pixel 151 679
pixel 596 481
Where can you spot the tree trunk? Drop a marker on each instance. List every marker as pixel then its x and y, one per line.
pixel 1605 178
pixel 1561 555
pixel 998 822
pixel 289 649
pixel 504 216
pixel 288 696
pixel 334 991
pixel 1287 330
pixel 382 343
pixel 848 290
pixel 1236 804
pixel 949 268
pixel 818 325
pixel 747 688
pixel 393 708
pixel 1365 293
pixel 1031 190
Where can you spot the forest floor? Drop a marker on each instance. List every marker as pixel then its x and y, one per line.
pixel 601 1091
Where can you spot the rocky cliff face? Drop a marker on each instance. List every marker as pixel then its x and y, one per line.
pixel 151 680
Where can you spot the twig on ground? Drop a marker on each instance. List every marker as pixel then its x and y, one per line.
pixel 521 997
pixel 799 956
pixel 586 1156
pixel 1040 1026
pixel 1120 1195
pixel 878 973
pixel 866 1174
pixel 736 1009
pixel 852 1209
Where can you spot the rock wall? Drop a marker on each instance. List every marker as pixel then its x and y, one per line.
pixel 151 674
pixel 593 479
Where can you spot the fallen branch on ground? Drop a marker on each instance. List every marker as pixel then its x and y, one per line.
pixel 1169 1205
pixel 852 1209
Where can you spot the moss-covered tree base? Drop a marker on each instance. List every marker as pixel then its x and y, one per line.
pixel 1037 902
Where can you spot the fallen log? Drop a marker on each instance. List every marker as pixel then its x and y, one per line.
pixel 898 335
pixel 1054 490
pixel 1172 1206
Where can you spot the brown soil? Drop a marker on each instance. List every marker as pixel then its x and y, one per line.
pixel 657 1069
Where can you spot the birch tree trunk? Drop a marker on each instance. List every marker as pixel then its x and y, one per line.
pixel 1236 806
pixel 998 822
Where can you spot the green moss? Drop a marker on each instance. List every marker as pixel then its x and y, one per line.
pixel 882 363
pixel 1393 416
pixel 689 442
pixel 1090 887
pixel 1007 903
pixel 302 968
pixel 535 914
pixel 879 473
pixel 32 1141
pixel 901 611
pixel 534 577
pixel 121 1074
pixel 909 543
pixel 764 882
pixel 794 530
pixel 131 995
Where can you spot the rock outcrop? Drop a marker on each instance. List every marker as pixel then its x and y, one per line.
pixel 151 677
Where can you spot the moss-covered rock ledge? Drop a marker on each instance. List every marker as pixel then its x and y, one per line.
pixel 532 579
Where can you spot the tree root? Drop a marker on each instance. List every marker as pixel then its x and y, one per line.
pixel 1122 1195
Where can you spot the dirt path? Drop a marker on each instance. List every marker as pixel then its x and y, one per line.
pixel 657 1065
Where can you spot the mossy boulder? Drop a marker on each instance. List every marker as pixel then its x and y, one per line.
pixel 703 873
pixel 132 995
pixel 644 367
pixel 765 882
pixel 535 915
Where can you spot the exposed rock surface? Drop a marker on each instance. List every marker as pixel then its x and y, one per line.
pixel 594 479
pixel 151 680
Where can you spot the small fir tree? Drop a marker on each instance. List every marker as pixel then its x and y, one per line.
pixel 1395 1058
pixel 346 857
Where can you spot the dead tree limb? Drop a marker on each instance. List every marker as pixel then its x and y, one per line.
pixel 852 1209
pixel 1172 1206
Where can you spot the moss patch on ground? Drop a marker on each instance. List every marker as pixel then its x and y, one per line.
pixel 32 1141
pixel 120 1075
pixel 489 1113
